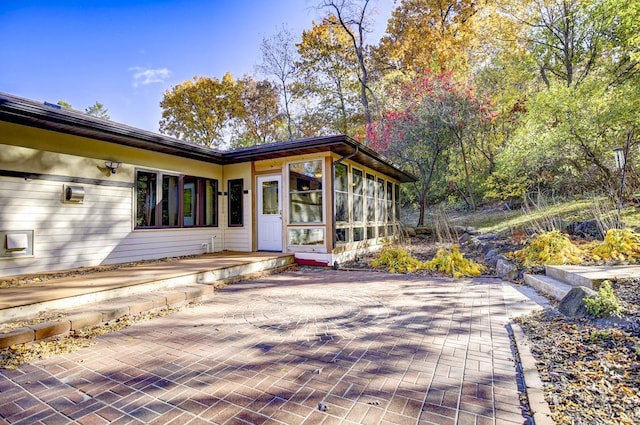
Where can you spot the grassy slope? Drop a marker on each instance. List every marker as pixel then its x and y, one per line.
pixel 506 221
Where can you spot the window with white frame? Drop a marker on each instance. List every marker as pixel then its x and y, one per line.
pixel 305 192
pixel 358 195
pixel 341 190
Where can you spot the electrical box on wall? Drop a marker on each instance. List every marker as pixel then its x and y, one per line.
pixel 16 243
pixel 73 194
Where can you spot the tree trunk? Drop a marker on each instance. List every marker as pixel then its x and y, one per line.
pixel 467 179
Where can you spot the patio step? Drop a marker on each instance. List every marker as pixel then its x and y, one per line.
pixel 558 280
pixel 141 290
pixel 591 276
pixel 67 293
pixel 547 285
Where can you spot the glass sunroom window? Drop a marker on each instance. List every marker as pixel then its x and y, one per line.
pixel 396 199
pixel 305 192
pixel 358 196
pixel 380 212
pixel 371 198
pixel 306 236
pixel 341 189
pixel 389 202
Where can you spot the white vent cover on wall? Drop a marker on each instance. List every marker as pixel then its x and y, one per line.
pixel 16 243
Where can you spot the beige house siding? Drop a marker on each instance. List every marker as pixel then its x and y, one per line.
pixel 237 238
pixel 161 243
pixel 65 235
pixel 100 230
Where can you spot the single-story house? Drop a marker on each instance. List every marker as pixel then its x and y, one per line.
pixel 77 191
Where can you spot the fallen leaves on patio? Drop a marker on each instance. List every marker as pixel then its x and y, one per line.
pixel 18 354
pixel 590 368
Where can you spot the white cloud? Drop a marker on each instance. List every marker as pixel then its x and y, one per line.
pixel 143 76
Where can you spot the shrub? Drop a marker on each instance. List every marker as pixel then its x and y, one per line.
pixel 453 263
pixel 604 303
pixel 618 244
pixel 552 247
pixel 397 260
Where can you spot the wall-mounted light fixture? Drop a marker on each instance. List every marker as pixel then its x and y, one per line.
pixel 112 166
pixel 619 157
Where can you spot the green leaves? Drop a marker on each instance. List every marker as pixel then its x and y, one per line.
pixel 605 303
pixel 199 110
pixel 207 111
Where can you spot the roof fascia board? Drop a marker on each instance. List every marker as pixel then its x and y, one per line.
pixel 21 111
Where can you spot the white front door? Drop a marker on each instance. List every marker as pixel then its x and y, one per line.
pixel 269 213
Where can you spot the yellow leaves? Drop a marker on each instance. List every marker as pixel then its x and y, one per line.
pixel 428 34
pixel 448 261
pixel 454 264
pixel 198 110
pixel 397 260
pixel 550 247
pixel 619 245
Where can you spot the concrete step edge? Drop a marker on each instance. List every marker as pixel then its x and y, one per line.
pixel 570 277
pixel 548 285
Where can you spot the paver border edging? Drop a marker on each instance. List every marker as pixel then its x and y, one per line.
pixel 533 384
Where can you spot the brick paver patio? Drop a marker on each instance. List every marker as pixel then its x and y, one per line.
pixel 303 347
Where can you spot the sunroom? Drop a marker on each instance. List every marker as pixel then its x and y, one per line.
pixel 325 199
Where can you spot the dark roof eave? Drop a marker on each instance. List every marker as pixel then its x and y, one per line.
pixel 340 144
pixel 18 111
pixel 33 114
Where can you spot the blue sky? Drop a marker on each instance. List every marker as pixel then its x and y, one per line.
pixel 125 54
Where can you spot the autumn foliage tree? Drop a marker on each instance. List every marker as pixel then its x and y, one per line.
pixel 199 110
pixel 278 62
pixel 432 34
pixel 353 17
pixel 433 131
pixel 260 120
pixel 326 77
pixel 213 112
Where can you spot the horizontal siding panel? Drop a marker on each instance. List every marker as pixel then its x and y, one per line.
pixel 237 240
pixel 52 218
pixel 13 188
pixel 55 201
pixel 59 242
pixel 94 252
pixel 162 235
pixel 75 232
